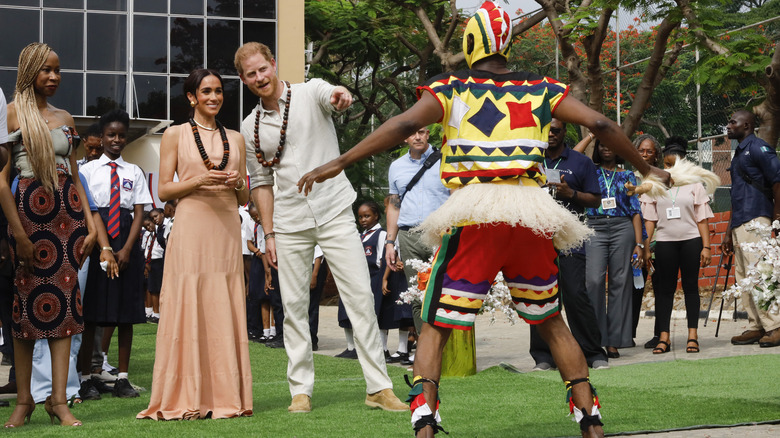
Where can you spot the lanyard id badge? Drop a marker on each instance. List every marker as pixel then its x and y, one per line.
pixel 673 212
pixel 608 203
pixel 553 175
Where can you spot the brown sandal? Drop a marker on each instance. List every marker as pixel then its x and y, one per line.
pixel 692 349
pixel 661 350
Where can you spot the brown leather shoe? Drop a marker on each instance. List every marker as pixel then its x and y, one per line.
pixel 301 403
pixel 386 399
pixel 748 337
pixel 8 388
pixel 772 339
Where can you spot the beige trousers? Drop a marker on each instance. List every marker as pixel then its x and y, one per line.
pixel 341 245
pixel 758 318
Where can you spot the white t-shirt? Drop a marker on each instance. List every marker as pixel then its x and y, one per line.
pixel 247 229
pixel 3 119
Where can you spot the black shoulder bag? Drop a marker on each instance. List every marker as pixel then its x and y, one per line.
pixel 427 164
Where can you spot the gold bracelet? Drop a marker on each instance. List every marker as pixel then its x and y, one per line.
pixel 241 185
pixel 107 248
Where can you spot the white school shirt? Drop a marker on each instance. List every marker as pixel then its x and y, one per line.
pixel 146 240
pixel 259 238
pixel 132 183
pixel 310 142
pixel 3 119
pixel 247 228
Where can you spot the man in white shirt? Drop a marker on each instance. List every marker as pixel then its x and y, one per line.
pixel 294 223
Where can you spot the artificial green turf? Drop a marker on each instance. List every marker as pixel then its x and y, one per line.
pixel 494 403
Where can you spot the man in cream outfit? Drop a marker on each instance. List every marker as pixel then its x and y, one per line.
pixel 295 132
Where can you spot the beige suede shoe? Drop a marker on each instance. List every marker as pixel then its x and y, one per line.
pixel 386 399
pixel 301 403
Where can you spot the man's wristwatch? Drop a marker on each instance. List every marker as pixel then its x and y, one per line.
pixel 389 242
pixel 641 245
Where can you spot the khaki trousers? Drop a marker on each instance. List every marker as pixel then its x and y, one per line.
pixel 341 245
pixel 758 318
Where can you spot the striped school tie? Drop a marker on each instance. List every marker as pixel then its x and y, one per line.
pixel 113 204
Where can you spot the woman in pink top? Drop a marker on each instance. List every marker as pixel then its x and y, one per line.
pixel 680 221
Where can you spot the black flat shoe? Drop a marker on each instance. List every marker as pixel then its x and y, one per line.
pixel 652 342
pixel 613 354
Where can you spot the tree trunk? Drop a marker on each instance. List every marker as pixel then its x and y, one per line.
pixel 769 110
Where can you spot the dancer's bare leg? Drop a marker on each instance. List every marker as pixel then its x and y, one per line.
pixel 427 363
pixel 571 364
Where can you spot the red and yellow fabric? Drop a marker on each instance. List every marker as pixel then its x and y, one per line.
pixel 467 262
pixel 495 126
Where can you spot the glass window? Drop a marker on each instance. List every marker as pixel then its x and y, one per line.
pixel 151 93
pixel 8 83
pixel 187 7
pixel 230 115
pixel 70 93
pixel 180 110
pixel 151 6
pixel 21 3
pixel 106 42
pixel 107 5
pixel 19 29
pixel 186 44
pixel 64 32
pixel 223 39
pixel 71 4
pixel 150 43
pixel 104 93
pixel 250 101
pixel 260 9
pixel 224 8
pixel 262 32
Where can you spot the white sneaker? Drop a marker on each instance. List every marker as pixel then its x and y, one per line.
pixel 104 376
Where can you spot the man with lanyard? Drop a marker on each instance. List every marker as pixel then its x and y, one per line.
pixel 416 191
pixel 496 125
pixel 571 177
pixel 755 192
pixel 294 224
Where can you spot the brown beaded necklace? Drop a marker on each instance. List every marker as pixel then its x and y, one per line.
pixel 282 133
pixel 203 155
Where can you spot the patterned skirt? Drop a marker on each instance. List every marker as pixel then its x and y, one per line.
pixel 47 302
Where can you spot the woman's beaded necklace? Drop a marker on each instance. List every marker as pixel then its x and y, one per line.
pixel 282 133
pixel 203 154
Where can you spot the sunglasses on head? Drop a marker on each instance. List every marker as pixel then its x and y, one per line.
pixel 556 131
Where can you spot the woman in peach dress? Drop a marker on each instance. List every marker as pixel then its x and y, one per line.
pixel 201 367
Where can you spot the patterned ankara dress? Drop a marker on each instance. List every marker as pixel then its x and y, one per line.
pixel 47 303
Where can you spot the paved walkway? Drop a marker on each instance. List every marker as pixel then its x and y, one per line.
pixel 501 342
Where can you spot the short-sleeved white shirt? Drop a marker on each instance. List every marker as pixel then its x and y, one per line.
pixel 132 183
pixel 247 226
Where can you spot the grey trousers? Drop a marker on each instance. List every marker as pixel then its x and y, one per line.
pixel 609 254
pixel 411 247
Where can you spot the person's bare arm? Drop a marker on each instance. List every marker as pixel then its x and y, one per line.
pixel 106 255
pixel 425 112
pixel 573 111
pixel 393 210
pixel 263 197
pixel 583 144
pixel 242 195
pixel 650 228
pixel 706 252
pixel 123 255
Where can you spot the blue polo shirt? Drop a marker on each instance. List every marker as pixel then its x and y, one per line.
pixel 759 162
pixel 425 197
pixel 579 172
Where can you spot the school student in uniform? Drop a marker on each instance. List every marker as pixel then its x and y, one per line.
pixel 120 192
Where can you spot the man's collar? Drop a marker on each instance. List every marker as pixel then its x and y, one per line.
pixel 564 153
pixel 424 155
pixel 744 142
pixel 280 100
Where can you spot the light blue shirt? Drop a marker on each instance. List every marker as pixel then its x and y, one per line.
pixel 425 197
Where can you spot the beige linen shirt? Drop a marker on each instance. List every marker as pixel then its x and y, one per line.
pixel 311 142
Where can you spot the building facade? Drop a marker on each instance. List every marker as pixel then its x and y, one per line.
pixel 135 55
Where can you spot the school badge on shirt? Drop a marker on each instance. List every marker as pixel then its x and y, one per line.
pixel 369 252
pixel 127 184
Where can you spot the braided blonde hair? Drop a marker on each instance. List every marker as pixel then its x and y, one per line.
pixel 35 133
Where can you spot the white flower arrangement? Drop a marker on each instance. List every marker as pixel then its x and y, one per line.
pixel 498 298
pixel 763 278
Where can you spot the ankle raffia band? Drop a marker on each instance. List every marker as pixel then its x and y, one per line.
pixel 570 384
pixel 590 420
pixel 428 420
